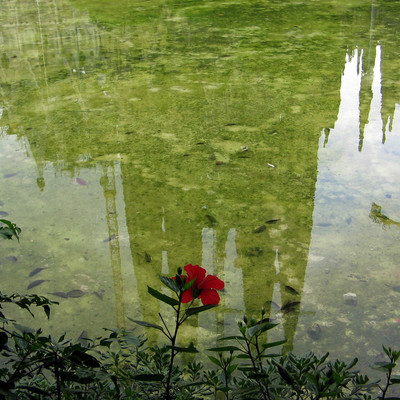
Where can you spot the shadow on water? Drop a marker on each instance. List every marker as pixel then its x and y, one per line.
pixel 200 128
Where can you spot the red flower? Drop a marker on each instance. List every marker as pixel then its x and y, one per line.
pixel 204 287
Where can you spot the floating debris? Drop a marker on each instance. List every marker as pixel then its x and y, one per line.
pixel 271 165
pixel 260 229
pixel 36 283
pixel 60 294
pixel 291 290
pixel 243 149
pixel 81 181
pixel 147 257
pixel 37 270
pixel 75 293
pixel 314 331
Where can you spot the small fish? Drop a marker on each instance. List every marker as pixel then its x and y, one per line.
pixel 274 132
pixel 291 290
pixel 3 213
pixel 112 237
pixel 260 229
pixel 211 219
pixel 129 132
pixel 272 221
pixel 147 257
pixel 36 283
pixel 10 175
pixel 324 224
pixel 12 258
pixel 75 293
pixel 395 288
pixel 60 294
pixel 290 306
pixel 219 163
pixel 230 124
pixel 36 271
pixel 81 181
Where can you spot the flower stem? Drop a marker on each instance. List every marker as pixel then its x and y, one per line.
pixel 173 352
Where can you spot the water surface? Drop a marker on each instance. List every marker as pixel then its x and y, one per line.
pixel 141 136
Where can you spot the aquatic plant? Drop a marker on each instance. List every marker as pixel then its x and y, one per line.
pixel 120 366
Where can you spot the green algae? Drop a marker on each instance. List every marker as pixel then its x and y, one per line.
pixel 152 104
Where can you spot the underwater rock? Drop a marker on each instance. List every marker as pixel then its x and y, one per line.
pixel 314 331
pixel 3 213
pixel 12 258
pixel 350 299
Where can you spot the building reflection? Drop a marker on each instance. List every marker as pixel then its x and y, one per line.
pixel 81 98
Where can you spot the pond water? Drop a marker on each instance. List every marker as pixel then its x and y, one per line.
pixel 260 140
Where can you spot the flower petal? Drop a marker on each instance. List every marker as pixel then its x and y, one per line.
pixel 211 282
pixel 209 296
pixel 187 296
pixel 195 272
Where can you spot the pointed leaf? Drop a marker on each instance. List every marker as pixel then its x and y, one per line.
pixel 232 337
pixel 215 360
pixel 196 310
pixel 164 298
pixel 146 324
pixel 259 328
pixel 149 377
pixel 273 344
pixel 224 348
pixel 170 283
pixel 190 349
pixel 189 284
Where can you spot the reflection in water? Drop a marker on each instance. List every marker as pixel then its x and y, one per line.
pixel 350 255
pixel 80 95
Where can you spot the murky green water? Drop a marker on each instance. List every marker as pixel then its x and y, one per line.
pixel 175 131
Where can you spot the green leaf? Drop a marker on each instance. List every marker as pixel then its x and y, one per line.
pixel 146 324
pixel 232 368
pixel 148 377
pixel 259 328
pixel 383 366
pixel 3 340
pixel 164 298
pixel 224 348
pixel 190 349
pixel 189 284
pixel 273 344
pixel 196 310
pixel 170 283
pixel 232 338
pixel 395 381
pixel 215 361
